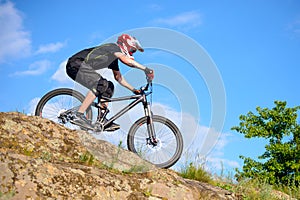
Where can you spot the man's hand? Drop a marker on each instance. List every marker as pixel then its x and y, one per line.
pixel 135 91
pixel 149 74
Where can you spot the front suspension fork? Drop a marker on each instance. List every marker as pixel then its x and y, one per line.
pixel 150 126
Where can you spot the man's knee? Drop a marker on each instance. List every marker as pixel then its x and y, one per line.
pixel 110 90
pixel 103 88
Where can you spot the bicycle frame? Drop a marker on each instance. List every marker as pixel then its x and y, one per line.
pixel 140 98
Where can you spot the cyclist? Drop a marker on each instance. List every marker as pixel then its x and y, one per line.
pixel 82 66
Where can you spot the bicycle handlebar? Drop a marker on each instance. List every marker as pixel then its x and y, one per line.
pixel 145 88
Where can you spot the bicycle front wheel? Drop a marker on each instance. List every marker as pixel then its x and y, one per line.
pixel 58 101
pixel 169 145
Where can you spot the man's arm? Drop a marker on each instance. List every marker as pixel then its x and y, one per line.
pixel 129 62
pixel 118 77
pixel 132 63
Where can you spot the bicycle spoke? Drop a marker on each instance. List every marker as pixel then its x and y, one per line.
pixel 165 148
pixel 57 105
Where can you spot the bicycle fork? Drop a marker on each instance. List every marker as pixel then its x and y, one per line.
pixel 150 126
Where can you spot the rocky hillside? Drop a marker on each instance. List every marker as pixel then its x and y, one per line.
pixel 43 160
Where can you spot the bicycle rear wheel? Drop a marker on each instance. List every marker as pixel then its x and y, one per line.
pixel 170 143
pixel 58 101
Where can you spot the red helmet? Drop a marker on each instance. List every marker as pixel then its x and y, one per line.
pixel 129 44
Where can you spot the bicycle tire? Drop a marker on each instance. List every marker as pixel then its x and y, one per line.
pixel 141 125
pixel 60 93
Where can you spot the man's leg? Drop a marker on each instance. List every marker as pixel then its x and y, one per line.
pixel 108 93
pixel 79 118
pixel 90 97
pixel 89 78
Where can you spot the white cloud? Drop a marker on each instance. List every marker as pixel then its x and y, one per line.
pixel 36 68
pixel 60 74
pixel 195 140
pixel 50 48
pixel 187 19
pixel 218 164
pixel 15 41
pixel 32 106
pixel 216 158
pixel 215 161
pixel 195 136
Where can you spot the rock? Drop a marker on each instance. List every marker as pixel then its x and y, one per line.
pixel 43 160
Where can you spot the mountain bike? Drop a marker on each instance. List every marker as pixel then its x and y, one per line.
pixel 153 137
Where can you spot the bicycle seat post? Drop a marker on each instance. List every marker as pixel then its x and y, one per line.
pixel 102 113
pixel 102 110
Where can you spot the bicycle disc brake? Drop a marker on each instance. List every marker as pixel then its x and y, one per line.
pixel 152 141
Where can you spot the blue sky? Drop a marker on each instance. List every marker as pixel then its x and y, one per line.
pixel 254 44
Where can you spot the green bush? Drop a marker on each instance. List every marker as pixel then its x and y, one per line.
pixel 279 164
pixel 195 173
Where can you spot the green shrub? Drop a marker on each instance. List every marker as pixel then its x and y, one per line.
pixel 195 173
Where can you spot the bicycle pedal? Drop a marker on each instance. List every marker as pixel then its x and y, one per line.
pixel 111 129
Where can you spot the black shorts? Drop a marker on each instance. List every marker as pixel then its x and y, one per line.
pixel 84 74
